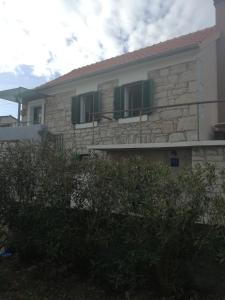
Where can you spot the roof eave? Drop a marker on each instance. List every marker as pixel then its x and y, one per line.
pixel 149 58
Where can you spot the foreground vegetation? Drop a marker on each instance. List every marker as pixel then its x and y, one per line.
pixel 122 227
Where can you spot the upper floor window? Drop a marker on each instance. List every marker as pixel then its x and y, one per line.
pixel 85 108
pixel 132 99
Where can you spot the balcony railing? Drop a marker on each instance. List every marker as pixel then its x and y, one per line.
pixel 25 124
pixel 205 113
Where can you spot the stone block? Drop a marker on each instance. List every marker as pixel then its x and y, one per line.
pixel 173 79
pixel 164 72
pixel 161 139
pixel 185 112
pixel 187 76
pixel 192 86
pixel 167 127
pixel 179 68
pixel 165 87
pixel 176 137
pixel 179 91
pixel 156 130
pixel 154 117
pixel 192 135
pixel 160 94
pixel 186 98
pixel 171 114
pixel 161 80
pixel 191 65
pixel 197 159
pixel 214 158
pixel 187 123
pixel 192 110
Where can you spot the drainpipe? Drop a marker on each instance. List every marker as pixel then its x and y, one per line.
pixel 220 25
pixel 199 93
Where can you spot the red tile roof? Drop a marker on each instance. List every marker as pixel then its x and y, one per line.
pixel 138 55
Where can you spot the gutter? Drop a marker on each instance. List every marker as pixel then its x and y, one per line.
pixel 117 67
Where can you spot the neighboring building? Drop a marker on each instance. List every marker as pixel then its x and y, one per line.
pixel 7 121
pixel 166 101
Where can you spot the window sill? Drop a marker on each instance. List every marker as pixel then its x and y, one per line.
pixel 133 119
pixel 86 125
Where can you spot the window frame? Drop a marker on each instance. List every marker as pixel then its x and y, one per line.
pixel 78 117
pixel 31 106
pixel 82 107
pixel 128 112
pixel 121 105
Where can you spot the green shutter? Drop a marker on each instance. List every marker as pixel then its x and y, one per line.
pixel 148 94
pixel 118 102
pixel 97 105
pixel 122 104
pixel 75 113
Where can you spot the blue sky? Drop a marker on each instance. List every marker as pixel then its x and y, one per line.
pixel 42 39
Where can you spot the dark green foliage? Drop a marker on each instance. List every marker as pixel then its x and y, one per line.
pixel 132 224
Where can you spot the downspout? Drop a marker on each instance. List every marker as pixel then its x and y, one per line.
pixel 220 25
pixel 199 95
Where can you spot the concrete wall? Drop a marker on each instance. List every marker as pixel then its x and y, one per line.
pixel 21 133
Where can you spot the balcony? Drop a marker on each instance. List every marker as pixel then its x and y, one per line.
pixel 166 125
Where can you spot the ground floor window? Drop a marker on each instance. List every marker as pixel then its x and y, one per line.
pixel 36 112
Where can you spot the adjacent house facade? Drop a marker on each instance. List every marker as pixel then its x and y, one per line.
pixel 7 121
pixel 165 102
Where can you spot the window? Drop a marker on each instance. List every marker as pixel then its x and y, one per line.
pixel 37 115
pixel 36 112
pixel 85 108
pixel 131 99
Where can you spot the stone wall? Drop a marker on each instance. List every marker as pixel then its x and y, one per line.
pixel 156 156
pixel 214 155
pixel 58 112
pixel 173 85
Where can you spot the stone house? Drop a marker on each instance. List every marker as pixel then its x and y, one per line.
pixel 165 102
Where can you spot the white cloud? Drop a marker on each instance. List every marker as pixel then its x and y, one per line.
pixel 36 33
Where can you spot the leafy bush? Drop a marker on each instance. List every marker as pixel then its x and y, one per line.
pixel 133 224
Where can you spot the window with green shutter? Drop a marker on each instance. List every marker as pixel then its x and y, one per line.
pixel 132 99
pixel 86 108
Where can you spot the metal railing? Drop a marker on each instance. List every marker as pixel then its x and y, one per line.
pixel 18 124
pixel 24 124
pixel 139 112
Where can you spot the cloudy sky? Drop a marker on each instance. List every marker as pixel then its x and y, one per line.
pixel 42 39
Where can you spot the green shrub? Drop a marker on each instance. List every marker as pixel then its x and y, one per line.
pixel 133 224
